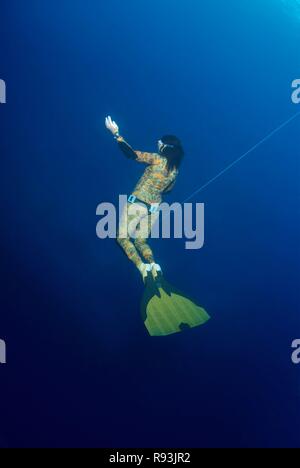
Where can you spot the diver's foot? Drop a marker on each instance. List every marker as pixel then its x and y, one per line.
pixel 144 268
pixel 155 269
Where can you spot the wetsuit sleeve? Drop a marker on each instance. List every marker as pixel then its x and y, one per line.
pixel 126 148
pixel 148 158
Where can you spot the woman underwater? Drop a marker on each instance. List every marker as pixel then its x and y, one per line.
pixel 143 205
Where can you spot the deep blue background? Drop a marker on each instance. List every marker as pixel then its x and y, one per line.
pixel 81 369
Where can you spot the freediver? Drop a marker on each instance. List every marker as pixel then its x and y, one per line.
pixel 143 204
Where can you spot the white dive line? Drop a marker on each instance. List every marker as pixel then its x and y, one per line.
pixel 284 124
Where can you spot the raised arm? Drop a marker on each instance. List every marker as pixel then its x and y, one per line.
pixel 140 156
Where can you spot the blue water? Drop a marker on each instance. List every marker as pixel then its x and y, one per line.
pixel 81 369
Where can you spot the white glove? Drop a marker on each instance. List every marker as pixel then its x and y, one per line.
pixel 111 125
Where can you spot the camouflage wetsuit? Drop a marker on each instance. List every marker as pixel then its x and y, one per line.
pixel 155 181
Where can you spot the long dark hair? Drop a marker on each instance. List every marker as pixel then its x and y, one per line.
pixel 173 153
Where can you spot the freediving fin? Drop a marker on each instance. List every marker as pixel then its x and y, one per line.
pixel 165 310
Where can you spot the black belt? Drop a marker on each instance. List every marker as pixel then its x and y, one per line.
pixel 152 208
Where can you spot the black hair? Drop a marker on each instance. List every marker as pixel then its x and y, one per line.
pixel 173 154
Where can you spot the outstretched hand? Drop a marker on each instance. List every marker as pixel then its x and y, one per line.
pixel 111 125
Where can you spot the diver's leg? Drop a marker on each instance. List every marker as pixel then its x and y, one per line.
pixel 141 243
pixel 145 250
pixel 125 242
pixel 143 246
pixel 130 250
